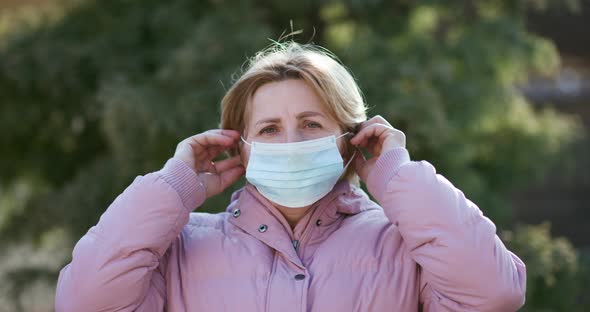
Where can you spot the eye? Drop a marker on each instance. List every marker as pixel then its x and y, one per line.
pixel 313 124
pixel 269 130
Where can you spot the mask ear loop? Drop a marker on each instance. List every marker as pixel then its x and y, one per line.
pixel 244 140
pixel 353 154
pixel 344 134
pixel 346 166
pixel 351 158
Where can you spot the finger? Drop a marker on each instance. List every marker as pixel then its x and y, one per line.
pixel 200 154
pixel 206 167
pixel 213 137
pixel 217 168
pixel 225 132
pixel 206 156
pixel 377 119
pixel 392 139
pixel 364 135
pixel 230 176
pixel 356 139
pixel 209 146
pixel 212 152
pixel 217 132
pixel 227 164
pixel 376 137
pixel 204 161
pixel 229 132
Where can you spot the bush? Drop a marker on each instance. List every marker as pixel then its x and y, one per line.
pixel 557 278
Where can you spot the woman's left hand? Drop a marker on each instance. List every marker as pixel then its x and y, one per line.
pixel 378 136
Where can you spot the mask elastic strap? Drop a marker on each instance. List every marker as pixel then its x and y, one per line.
pixel 346 166
pixel 346 133
pixel 350 160
pixel 243 140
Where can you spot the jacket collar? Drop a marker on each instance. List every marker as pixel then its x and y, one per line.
pixel 256 215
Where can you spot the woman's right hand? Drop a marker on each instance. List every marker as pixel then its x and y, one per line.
pixel 198 152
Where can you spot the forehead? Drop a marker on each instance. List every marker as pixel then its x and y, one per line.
pixel 288 97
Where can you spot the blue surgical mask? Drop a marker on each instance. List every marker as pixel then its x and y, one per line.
pixel 296 174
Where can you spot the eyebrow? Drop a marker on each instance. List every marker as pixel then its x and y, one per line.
pixel 299 116
pixel 267 120
pixel 309 114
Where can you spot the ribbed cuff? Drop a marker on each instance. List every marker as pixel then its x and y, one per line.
pixel 185 181
pixel 385 169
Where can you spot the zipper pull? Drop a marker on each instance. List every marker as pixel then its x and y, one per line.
pixel 295 244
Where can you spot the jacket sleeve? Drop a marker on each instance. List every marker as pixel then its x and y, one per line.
pixel 119 265
pixel 464 265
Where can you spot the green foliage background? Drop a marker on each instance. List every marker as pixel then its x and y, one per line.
pixel 93 93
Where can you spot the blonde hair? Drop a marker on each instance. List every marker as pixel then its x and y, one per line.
pixel 314 65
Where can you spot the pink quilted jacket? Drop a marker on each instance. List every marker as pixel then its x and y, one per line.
pixel 424 246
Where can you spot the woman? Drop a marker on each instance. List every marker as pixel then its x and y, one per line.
pixel 301 235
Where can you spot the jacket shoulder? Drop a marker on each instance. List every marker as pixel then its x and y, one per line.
pixel 204 231
pixel 204 221
pixel 371 227
pixel 362 211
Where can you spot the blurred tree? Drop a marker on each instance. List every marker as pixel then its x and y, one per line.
pixel 556 280
pixel 93 93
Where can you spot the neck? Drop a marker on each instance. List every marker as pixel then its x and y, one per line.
pixel 293 215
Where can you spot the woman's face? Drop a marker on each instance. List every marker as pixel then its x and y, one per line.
pixel 285 112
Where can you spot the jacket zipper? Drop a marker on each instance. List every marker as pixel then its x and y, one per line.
pixel 270 276
pixel 299 247
pixel 307 232
pixel 299 244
